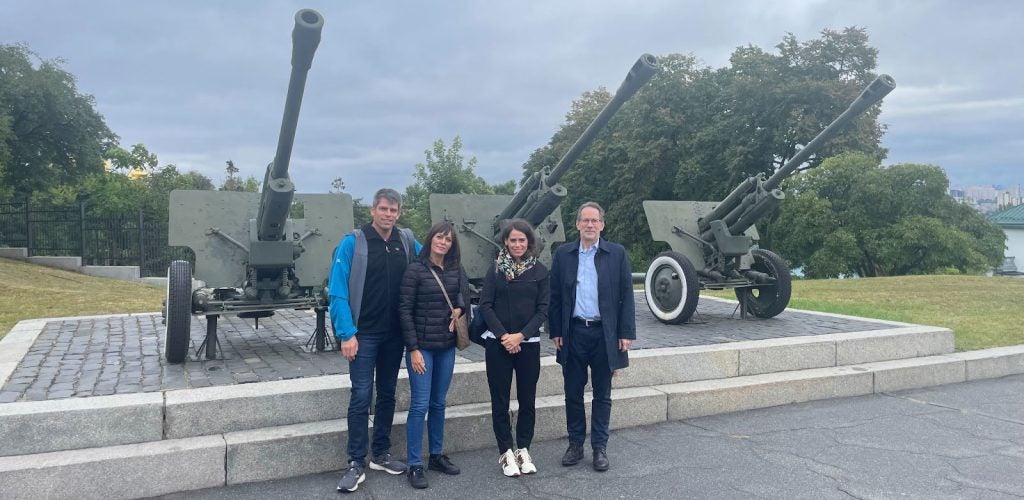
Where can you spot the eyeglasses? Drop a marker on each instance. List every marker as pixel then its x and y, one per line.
pixel 589 221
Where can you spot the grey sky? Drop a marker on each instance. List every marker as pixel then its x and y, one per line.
pixel 201 82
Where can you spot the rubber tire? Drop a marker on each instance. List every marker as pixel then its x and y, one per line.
pixel 179 314
pixel 684 303
pixel 771 299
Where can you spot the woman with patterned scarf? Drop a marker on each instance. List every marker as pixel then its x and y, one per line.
pixel 514 304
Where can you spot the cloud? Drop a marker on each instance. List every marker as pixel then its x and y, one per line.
pixel 201 82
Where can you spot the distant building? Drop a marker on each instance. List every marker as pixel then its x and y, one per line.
pixel 988 199
pixel 981 193
pixel 1011 220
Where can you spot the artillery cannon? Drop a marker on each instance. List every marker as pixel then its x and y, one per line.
pixel 480 217
pixel 256 258
pixel 713 242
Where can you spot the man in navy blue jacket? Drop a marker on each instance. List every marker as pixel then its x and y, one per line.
pixel 593 325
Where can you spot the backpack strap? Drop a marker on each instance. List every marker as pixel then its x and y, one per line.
pixel 408 242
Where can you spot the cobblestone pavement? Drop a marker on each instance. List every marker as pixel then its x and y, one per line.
pixel 124 354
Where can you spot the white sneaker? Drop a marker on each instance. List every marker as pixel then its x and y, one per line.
pixel 525 462
pixel 508 464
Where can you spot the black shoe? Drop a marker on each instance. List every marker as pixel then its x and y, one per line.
pixel 387 464
pixel 352 478
pixel 416 477
pixel 573 455
pixel 600 460
pixel 441 463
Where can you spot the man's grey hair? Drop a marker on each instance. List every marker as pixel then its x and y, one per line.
pixel 387 194
pixel 590 204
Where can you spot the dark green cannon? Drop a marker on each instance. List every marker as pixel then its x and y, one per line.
pixel 479 218
pixel 252 257
pixel 713 242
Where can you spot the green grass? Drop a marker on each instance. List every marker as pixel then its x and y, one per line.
pixel 982 311
pixel 29 291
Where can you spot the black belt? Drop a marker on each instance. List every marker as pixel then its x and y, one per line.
pixel 587 322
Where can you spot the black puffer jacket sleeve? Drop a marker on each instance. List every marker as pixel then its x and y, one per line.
pixel 406 306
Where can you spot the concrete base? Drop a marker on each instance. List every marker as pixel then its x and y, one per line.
pixel 124 273
pixel 286 451
pixel 162 282
pixel 919 372
pixel 67 424
pixel 215 410
pixel 233 408
pixel 196 438
pixel 130 471
pixel 710 397
pixel 69 263
pixel 283 451
pixel 14 253
pixel 993 363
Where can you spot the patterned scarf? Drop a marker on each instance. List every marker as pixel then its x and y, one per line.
pixel 512 269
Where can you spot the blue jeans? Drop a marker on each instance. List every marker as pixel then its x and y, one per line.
pixel 381 353
pixel 429 389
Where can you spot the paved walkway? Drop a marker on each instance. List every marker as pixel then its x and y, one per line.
pixel 123 354
pixel 955 441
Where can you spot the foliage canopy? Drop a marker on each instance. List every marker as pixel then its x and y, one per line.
pixel 693 133
pixel 851 216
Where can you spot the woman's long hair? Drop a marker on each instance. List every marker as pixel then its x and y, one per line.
pixel 452 257
pixel 523 227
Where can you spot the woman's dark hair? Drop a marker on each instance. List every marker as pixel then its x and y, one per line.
pixel 523 227
pixel 452 257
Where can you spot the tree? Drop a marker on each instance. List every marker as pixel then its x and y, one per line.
pixel 235 183
pixel 360 210
pixel 50 132
pixel 139 158
pixel 851 216
pixel 444 171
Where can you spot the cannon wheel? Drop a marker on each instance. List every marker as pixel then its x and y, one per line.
pixel 766 301
pixel 179 317
pixel 671 288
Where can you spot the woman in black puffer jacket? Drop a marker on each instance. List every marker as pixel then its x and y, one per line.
pixel 428 328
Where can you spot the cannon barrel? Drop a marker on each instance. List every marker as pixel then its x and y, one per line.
pixel 738 201
pixel 641 72
pixel 537 186
pixel 871 95
pixel 728 204
pixel 278 190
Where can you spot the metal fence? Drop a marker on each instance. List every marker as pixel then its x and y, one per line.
pixel 107 240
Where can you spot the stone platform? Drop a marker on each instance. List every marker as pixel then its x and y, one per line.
pixel 123 354
pixel 93 412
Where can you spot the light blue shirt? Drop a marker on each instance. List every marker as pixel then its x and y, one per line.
pixel 586 285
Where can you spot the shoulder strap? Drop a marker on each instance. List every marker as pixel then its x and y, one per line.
pixel 405 234
pixel 445 292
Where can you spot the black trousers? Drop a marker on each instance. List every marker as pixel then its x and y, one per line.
pixel 587 350
pixel 500 365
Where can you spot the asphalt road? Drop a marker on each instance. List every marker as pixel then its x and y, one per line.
pixel 956 441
